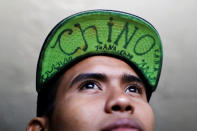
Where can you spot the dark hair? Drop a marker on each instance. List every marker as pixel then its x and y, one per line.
pixel 47 95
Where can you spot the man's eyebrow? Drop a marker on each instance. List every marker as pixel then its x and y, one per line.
pixel 85 76
pixel 126 78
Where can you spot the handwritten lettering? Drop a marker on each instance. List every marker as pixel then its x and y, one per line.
pixel 157 53
pixel 56 67
pixel 141 45
pixel 83 34
pixel 58 41
pixel 125 29
pixel 105 47
pixel 110 24
pixel 138 41
pixel 113 48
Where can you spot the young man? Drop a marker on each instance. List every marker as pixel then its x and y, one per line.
pixel 96 72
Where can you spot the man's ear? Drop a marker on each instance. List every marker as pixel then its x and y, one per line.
pixel 38 124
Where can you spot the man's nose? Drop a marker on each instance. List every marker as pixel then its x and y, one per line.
pixel 119 102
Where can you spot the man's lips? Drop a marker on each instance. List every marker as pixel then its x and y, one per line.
pixel 123 124
pixel 124 129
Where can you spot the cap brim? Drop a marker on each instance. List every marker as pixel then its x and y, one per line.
pixel 101 32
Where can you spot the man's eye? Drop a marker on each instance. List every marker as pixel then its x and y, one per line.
pixel 133 89
pixel 89 85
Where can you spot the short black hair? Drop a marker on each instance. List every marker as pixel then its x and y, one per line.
pixel 47 95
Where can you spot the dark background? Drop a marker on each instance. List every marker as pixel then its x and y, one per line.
pixel 24 24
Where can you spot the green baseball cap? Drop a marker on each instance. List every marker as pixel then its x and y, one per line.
pixel 101 32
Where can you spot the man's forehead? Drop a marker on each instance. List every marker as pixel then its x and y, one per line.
pixel 104 65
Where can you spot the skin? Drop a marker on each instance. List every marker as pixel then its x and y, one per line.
pixel 86 102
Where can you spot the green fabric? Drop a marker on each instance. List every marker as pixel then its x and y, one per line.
pixel 101 31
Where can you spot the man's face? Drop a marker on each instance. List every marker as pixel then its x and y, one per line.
pixel 101 93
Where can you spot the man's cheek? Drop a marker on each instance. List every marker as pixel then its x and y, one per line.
pixel 146 116
pixel 86 108
pixel 82 113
